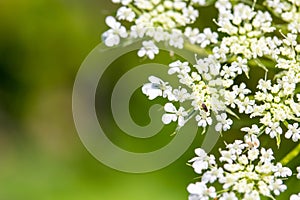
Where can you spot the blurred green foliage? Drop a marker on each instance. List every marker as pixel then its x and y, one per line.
pixel 42 44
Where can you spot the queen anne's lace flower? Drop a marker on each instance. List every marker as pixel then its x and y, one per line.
pixel 159 20
pixel 293 132
pixel 149 49
pixel 287 10
pixel 251 138
pixel 298 172
pixel 247 38
pixel 223 122
pixel 174 114
pixel 240 174
pixel 125 13
pixel 156 88
pixel 199 191
pixel 295 196
pixel 112 36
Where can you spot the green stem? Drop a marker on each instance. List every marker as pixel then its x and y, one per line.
pixel 291 155
pixel 195 48
pixel 135 9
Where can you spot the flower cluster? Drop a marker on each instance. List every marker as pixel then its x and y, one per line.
pixel 157 21
pixel 287 10
pixel 249 39
pixel 244 172
pixel 209 83
pixel 204 88
pixel 249 36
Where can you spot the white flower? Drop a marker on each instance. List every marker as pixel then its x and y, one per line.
pixel 263 188
pixel 143 4
pixel 192 34
pixel 149 49
pixel 207 37
pixel 137 31
pixel 241 90
pixel 243 160
pixel 159 34
pixel 230 98
pixel 254 195
pixel 266 155
pixel 246 173
pixel 293 132
pixel 199 191
pixel 203 119
pixel 223 5
pixel 253 130
pixel 252 140
pixel 290 40
pixel 190 13
pixel 241 65
pixel 277 186
pixel 229 180
pixel 221 52
pixel 124 2
pixel 174 114
pixel 298 172
pixel 227 72
pixel 251 137
pixel 245 105
pixel 212 175
pixel 236 147
pixel 228 196
pixel 112 36
pixel 253 154
pixel 202 65
pixel 197 188
pixel 264 85
pixel 202 161
pixel 179 67
pixel 223 122
pixel 265 168
pixel 200 2
pixel 125 13
pixel 181 94
pixel 176 39
pixel 227 156
pixel 243 187
pixel 233 167
pixel 281 171
pixel 295 196
pixel 273 129
pixel 156 88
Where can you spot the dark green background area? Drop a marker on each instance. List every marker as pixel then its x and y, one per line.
pixel 42 44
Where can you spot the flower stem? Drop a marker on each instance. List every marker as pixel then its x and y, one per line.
pixel 291 155
pixel 195 48
pixel 135 9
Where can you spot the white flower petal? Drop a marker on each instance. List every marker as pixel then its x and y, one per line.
pixel 110 21
pixel 154 79
pixel 167 118
pixel 169 107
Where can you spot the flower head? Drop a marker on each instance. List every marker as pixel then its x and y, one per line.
pixel 149 49
pixel 241 174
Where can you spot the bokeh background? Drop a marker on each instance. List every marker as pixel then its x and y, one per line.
pixel 42 44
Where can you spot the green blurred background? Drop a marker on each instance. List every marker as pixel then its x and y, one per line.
pixel 42 44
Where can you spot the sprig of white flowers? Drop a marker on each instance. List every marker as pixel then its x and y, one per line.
pixel 157 21
pixel 245 172
pixel 210 81
pixel 246 38
pixel 203 89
